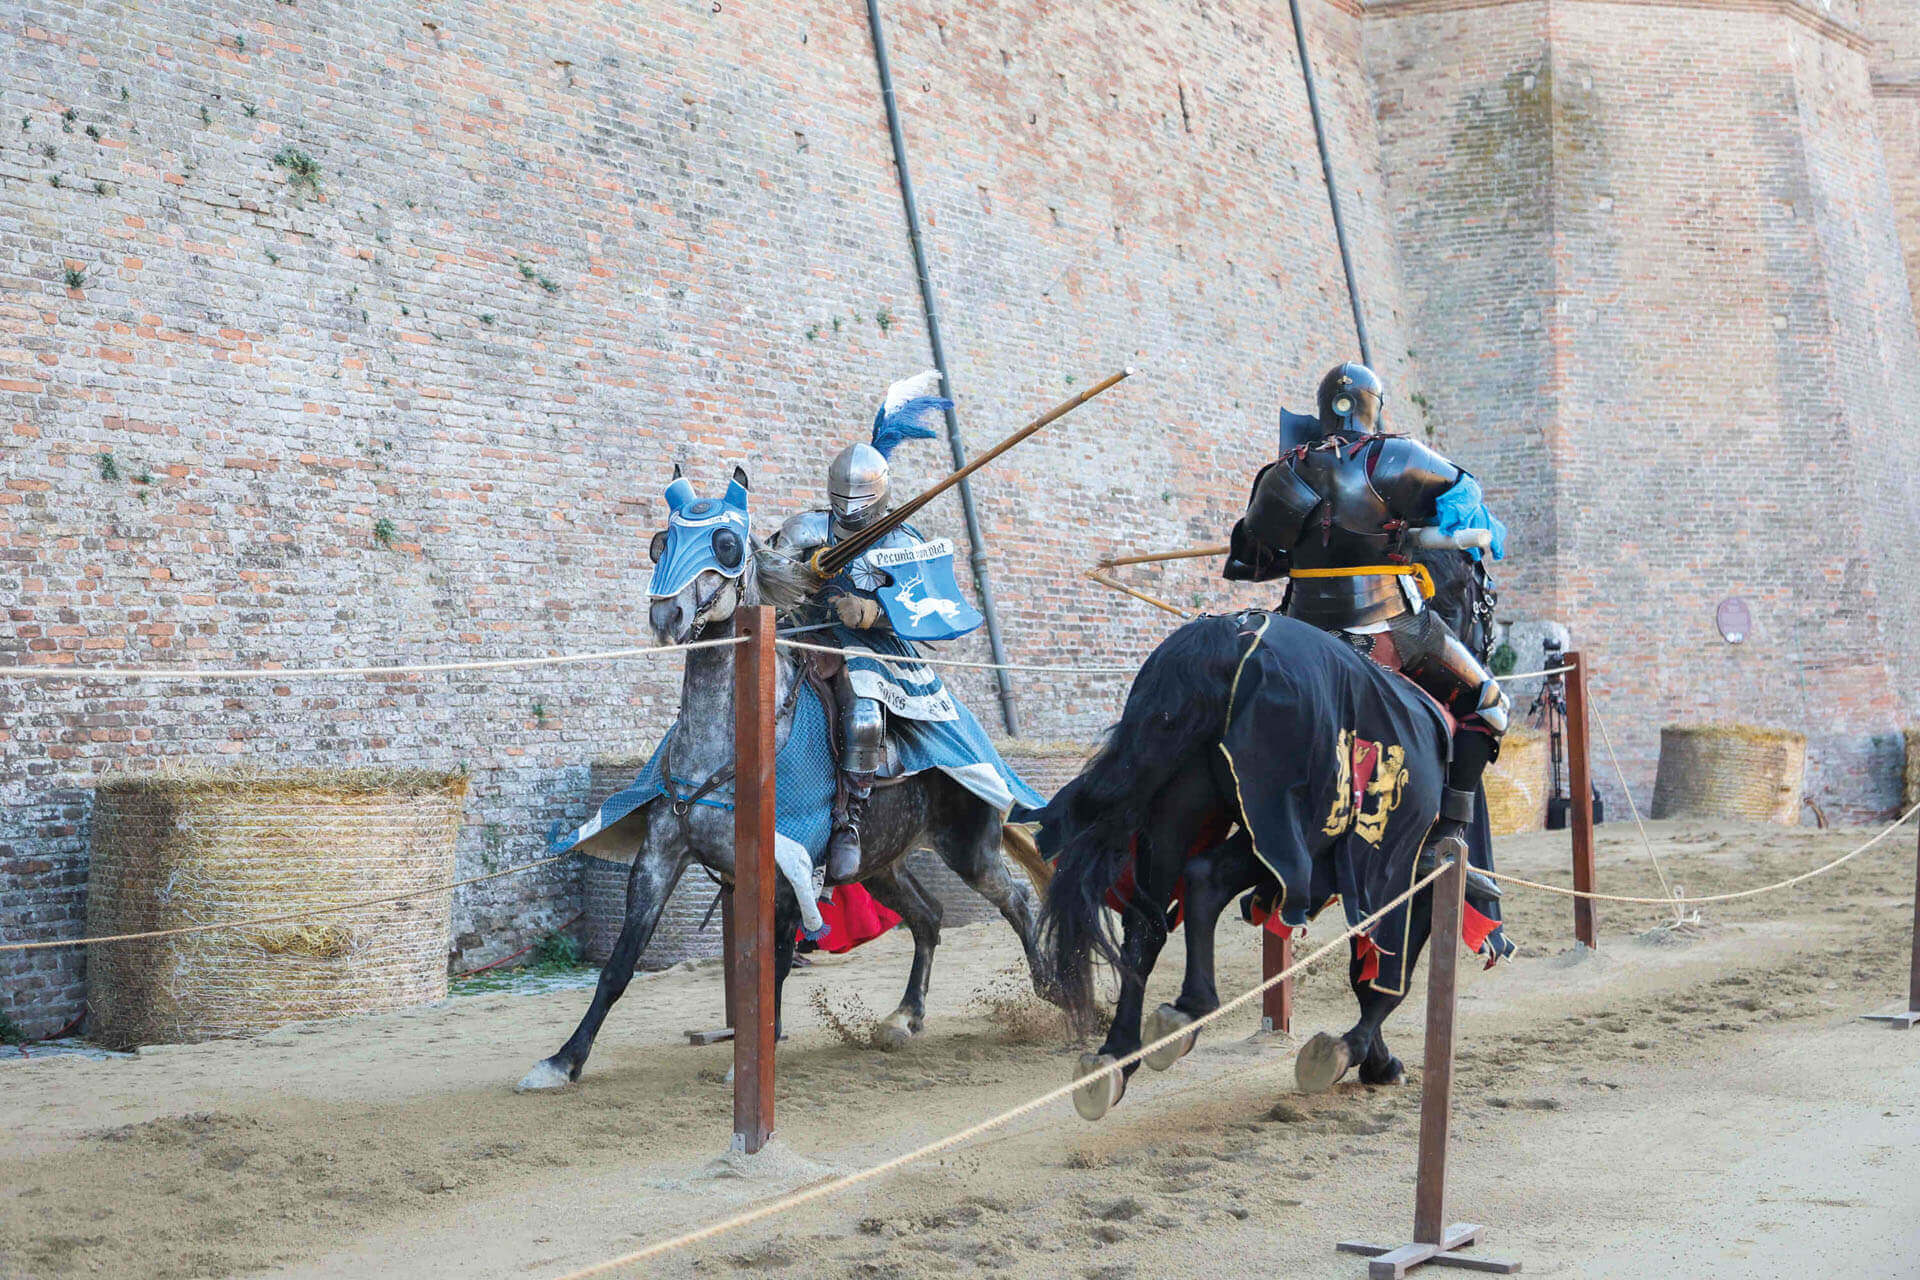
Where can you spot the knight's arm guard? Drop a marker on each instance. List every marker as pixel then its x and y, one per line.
pixel 1264 537
pixel 1410 478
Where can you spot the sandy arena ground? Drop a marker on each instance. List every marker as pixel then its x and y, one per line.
pixel 1695 1104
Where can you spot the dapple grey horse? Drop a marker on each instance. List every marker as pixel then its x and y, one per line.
pixel 928 810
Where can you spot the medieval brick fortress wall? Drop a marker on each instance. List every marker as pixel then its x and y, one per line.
pixel 392 320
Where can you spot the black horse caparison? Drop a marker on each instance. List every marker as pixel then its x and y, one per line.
pixel 1161 800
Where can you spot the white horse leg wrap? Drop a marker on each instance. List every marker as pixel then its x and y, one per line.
pixel 796 864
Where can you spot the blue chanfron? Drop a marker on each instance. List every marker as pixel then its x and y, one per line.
pixel 701 534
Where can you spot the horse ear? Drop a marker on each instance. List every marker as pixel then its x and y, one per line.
pixel 679 493
pixel 737 491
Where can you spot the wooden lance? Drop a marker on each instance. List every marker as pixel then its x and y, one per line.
pixel 828 561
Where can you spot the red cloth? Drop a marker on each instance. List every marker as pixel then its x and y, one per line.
pixel 853 917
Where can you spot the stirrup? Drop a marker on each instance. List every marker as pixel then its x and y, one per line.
pixel 1479 883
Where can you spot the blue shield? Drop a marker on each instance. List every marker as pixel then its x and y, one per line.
pixel 920 595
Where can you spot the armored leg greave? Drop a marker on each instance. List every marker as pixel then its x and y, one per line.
pixel 1446 668
pixel 863 752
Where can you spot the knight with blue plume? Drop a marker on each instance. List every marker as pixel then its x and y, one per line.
pixel 899 591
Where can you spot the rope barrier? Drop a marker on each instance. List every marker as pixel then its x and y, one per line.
pixel 446 887
pixel 954 662
pixel 1528 675
pixel 1848 856
pixel 798 1198
pixel 1633 807
pixel 259 673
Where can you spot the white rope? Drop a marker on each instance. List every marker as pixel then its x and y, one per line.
pixel 955 662
pixel 841 1183
pixel 1594 705
pixel 1846 857
pixel 292 673
pixel 1528 675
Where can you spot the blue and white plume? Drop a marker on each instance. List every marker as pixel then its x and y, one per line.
pixel 911 410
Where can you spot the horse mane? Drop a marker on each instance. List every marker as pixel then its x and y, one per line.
pixel 779 580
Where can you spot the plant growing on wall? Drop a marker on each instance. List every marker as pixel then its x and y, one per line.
pixel 301 169
pixel 383 531
pixel 109 469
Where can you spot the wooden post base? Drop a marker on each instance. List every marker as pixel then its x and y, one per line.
pixel 1391 1262
pixel 1904 1021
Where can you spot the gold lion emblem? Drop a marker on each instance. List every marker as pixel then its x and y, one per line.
pixel 1379 772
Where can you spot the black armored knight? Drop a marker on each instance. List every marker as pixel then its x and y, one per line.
pixel 1339 514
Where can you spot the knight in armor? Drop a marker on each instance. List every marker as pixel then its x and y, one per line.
pixel 898 592
pixel 1339 514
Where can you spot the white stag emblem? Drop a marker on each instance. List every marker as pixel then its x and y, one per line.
pixel 921 605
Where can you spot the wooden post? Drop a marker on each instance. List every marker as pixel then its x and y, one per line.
pixel 1276 1003
pixel 754 679
pixel 1434 1240
pixel 1912 1014
pixel 1580 819
pixel 1436 1072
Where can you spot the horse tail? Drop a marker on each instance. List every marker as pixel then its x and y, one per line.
pixel 1025 852
pixel 1175 711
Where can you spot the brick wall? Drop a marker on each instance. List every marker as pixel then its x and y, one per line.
pixel 1655 250
pixel 547 251
pixel 421 406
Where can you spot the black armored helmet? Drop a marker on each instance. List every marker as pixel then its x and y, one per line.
pixel 1350 397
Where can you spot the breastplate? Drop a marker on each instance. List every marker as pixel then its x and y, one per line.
pixel 1347 529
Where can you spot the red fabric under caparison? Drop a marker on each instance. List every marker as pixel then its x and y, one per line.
pixel 853 917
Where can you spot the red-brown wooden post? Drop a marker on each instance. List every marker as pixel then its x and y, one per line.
pixel 1580 778
pixel 753 878
pixel 1912 1014
pixel 1436 1071
pixel 1435 1241
pixel 1276 1003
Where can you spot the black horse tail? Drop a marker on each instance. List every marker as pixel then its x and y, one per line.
pixel 1175 711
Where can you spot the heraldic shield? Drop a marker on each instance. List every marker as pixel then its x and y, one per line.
pixel 917 588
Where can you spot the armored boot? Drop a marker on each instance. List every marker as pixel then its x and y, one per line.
pixel 1474 747
pixel 843 846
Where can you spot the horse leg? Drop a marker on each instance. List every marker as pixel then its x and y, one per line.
pixel 656 869
pixel 786 940
pixel 971 846
pixel 897 890
pixel 1214 879
pixel 1144 933
pixel 1326 1058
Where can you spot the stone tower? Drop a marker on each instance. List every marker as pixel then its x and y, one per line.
pixel 1652 257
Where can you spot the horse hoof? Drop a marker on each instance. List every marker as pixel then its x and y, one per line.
pixel 1323 1061
pixel 546 1074
pixel 1163 1022
pixel 1392 1073
pixel 889 1035
pixel 1099 1094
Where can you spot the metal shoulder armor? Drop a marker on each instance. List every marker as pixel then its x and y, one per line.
pixel 802 534
pixel 1409 477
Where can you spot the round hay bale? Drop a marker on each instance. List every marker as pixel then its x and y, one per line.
pixel 1517 784
pixel 1730 771
pixel 186 848
pixel 684 932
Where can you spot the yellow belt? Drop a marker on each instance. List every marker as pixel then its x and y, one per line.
pixel 1418 572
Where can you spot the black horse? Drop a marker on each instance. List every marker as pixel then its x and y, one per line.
pixel 1217 773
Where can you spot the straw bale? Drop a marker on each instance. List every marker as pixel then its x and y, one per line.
pixel 199 847
pixel 1517 784
pixel 1730 771
pixel 1910 792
